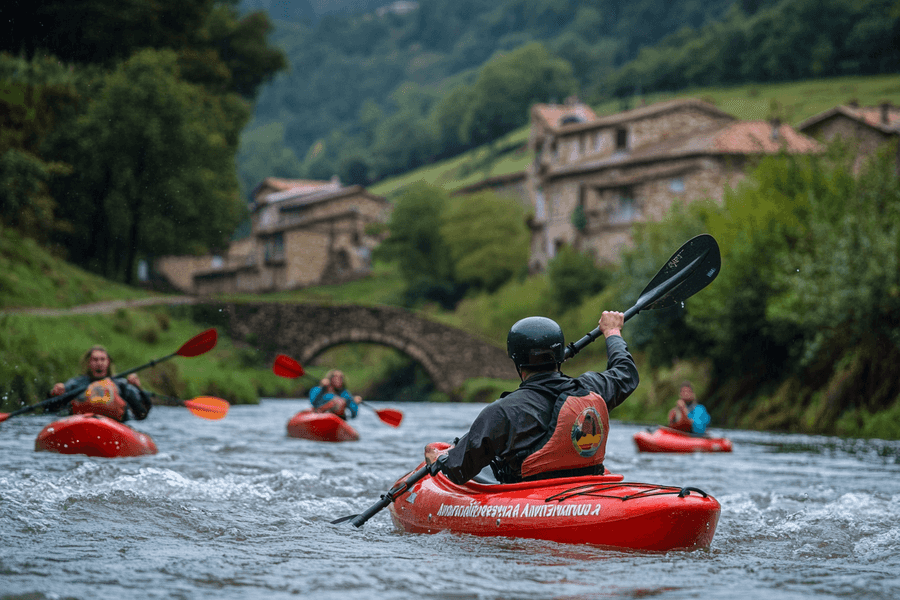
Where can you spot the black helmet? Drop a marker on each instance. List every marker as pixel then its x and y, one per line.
pixel 536 343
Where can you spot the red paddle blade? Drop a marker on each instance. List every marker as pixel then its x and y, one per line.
pixel 285 366
pixel 208 407
pixel 3 417
pixel 390 416
pixel 199 344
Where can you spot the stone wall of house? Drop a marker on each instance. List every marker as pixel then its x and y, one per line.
pixel 654 187
pixel 866 139
pixel 600 143
pixel 180 270
pixel 306 256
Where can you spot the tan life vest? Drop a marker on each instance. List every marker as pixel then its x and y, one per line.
pixel 336 405
pixel 678 419
pixel 578 440
pixel 101 398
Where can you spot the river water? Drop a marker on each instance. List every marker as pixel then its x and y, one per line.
pixel 235 509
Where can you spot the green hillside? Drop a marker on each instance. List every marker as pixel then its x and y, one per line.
pixel 793 102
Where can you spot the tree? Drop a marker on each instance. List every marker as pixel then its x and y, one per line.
pixel 509 84
pixel 573 276
pixel 216 46
pixel 487 239
pixel 154 165
pixel 417 246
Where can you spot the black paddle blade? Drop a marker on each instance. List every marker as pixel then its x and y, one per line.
pixel 693 267
pixel 343 519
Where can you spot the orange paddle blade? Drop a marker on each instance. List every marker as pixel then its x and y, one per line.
pixel 285 366
pixel 208 407
pixel 199 344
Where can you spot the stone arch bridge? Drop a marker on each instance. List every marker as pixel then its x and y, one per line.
pixel 303 331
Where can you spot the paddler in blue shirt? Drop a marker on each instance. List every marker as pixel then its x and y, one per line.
pixel 331 395
pixel 689 415
pixel 553 425
pixel 116 397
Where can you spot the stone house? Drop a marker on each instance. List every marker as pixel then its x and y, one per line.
pixel 593 178
pixel 867 127
pixel 302 233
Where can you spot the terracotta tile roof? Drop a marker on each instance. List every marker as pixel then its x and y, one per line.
pixel 281 185
pixel 870 115
pixel 756 137
pixel 553 114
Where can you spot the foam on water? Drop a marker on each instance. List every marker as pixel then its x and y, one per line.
pixel 235 509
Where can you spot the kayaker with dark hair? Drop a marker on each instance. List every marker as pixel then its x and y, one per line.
pixel 688 415
pixel 116 397
pixel 331 395
pixel 553 425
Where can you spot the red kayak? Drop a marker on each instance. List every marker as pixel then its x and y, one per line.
pixel 665 439
pixel 602 510
pixel 93 435
pixel 321 427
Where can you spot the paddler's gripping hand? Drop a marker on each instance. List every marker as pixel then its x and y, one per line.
pixel 436 455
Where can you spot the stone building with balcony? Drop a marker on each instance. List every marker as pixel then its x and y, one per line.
pixel 593 178
pixel 302 233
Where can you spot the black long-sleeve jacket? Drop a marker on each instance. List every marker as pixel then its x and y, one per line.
pixel 517 421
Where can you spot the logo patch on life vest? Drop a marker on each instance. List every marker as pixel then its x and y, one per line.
pixel 101 392
pixel 587 431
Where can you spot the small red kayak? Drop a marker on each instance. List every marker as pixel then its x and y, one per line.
pixel 93 435
pixel 321 427
pixel 665 439
pixel 601 510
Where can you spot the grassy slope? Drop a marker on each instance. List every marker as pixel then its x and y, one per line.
pixel 30 276
pixel 37 351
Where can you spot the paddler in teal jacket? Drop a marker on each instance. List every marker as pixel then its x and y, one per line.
pixel 553 425
pixel 331 395
pixel 689 415
pixel 116 397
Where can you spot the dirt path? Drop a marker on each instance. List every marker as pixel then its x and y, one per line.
pixel 100 307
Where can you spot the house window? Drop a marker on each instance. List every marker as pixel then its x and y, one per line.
pixel 625 208
pixel 274 250
pixel 540 205
pixel 621 139
pixel 676 185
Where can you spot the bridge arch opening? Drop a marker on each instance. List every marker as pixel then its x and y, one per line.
pixel 378 371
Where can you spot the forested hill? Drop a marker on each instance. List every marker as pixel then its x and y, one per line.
pixel 360 83
pixel 396 85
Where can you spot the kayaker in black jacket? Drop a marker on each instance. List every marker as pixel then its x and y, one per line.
pixel 115 397
pixel 553 425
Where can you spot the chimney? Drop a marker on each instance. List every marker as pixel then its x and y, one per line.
pixel 885 113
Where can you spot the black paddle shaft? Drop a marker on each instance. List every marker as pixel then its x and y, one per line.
pixel 691 268
pixel 394 493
